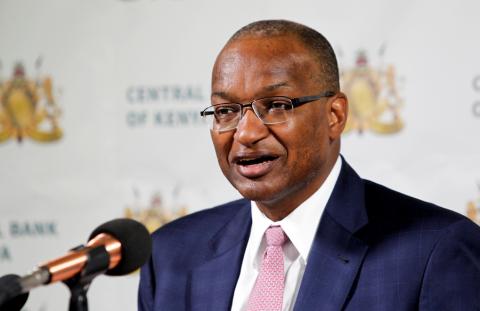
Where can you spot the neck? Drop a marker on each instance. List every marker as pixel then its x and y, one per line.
pixel 279 208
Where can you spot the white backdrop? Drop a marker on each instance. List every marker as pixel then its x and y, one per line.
pixel 129 78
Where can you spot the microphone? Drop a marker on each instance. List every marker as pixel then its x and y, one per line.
pixel 126 241
pixel 9 289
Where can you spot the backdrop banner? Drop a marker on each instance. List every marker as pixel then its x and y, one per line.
pixel 100 102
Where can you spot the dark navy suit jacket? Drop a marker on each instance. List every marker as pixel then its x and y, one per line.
pixel 375 249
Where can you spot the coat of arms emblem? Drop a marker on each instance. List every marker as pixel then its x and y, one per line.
pixel 473 208
pixel 155 214
pixel 374 98
pixel 28 108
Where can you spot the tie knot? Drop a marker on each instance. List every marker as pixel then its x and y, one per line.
pixel 275 236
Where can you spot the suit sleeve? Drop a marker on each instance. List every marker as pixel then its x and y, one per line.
pixel 452 276
pixel 146 287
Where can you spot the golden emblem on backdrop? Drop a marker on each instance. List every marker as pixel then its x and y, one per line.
pixel 473 208
pixel 373 96
pixel 156 214
pixel 28 108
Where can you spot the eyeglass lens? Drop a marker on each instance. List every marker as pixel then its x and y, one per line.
pixel 270 110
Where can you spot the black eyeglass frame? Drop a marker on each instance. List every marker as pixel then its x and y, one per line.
pixel 296 102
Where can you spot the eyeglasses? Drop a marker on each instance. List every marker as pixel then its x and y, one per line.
pixel 270 110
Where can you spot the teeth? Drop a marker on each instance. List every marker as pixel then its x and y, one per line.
pixel 250 161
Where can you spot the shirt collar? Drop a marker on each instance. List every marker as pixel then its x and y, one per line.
pixel 301 224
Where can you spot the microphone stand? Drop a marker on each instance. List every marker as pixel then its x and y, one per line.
pixel 97 263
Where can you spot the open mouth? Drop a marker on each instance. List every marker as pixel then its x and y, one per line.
pixel 255 166
pixel 257 160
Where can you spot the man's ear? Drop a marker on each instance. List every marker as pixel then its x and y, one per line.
pixel 337 115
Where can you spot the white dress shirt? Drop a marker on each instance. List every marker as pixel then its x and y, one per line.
pixel 300 226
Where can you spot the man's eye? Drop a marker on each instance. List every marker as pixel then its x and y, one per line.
pixel 279 105
pixel 225 110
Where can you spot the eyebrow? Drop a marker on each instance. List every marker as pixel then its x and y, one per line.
pixel 275 86
pixel 268 88
pixel 220 94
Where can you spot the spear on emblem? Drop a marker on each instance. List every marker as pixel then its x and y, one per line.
pixel 1 73
pixel 38 66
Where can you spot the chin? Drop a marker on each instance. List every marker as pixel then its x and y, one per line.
pixel 256 191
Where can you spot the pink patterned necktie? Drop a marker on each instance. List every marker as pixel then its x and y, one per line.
pixel 267 294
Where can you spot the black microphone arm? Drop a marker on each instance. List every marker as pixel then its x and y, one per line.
pixel 116 248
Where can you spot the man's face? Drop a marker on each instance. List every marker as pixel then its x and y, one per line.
pixel 272 163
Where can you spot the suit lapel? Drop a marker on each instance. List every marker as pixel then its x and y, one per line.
pixel 212 284
pixel 337 253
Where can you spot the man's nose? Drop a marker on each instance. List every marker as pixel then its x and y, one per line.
pixel 250 129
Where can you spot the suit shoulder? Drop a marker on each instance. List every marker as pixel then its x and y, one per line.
pixel 204 222
pixel 392 208
pixel 174 243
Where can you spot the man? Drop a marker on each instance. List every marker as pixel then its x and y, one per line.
pixel 310 233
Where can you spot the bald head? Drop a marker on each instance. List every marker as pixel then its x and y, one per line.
pixel 315 43
pixel 277 164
